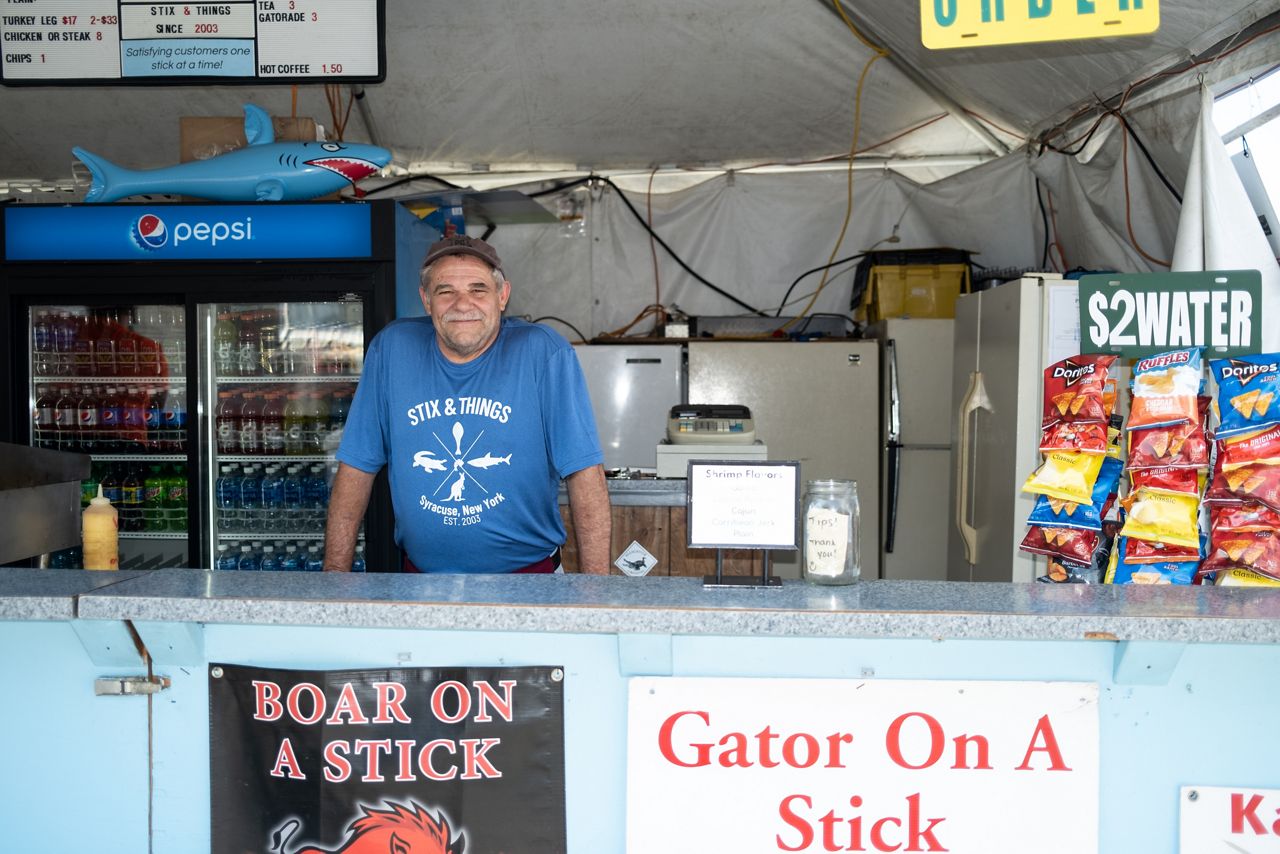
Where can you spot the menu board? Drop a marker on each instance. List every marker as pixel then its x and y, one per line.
pixel 229 41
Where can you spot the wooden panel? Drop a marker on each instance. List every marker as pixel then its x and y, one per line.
pixel 648 526
pixel 700 562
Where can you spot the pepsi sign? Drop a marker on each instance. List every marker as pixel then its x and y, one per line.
pixel 187 232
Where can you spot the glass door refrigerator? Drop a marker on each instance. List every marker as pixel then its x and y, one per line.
pixel 205 356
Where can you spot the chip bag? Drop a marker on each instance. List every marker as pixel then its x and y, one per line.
pixel 1075 389
pixel 1255 550
pixel 1178 445
pixel 1060 571
pixel 1249 448
pixel 1247 390
pixel 1182 480
pixel 1073 544
pixel 1067 475
pixel 1244 578
pixel 1123 571
pixel 1165 388
pixel 1055 512
pixel 1162 516
pixel 1242 516
pixel 1147 551
pixel 1085 437
pixel 1260 483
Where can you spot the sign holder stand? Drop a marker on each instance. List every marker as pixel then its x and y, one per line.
pixel 743 504
pixel 764 580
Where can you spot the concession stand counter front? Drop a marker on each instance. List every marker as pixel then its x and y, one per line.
pixel 1184 678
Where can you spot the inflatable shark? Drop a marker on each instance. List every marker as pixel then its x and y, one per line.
pixel 264 170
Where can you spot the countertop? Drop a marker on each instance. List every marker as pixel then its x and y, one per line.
pixel 641 492
pixel 669 606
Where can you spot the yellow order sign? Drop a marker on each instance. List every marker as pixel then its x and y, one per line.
pixel 971 23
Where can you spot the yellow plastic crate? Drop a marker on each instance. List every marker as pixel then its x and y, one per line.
pixel 916 290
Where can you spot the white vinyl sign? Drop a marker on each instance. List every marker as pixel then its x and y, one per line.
pixel 1229 820
pixel 768 765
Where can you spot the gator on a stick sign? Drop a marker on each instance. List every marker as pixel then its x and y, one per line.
pixel 428 760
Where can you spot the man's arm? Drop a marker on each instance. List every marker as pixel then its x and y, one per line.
pixel 592 522
pixel 348 500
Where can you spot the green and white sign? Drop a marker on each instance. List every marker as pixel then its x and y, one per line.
pixel 1140 314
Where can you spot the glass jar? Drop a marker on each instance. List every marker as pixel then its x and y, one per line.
pixel 831 532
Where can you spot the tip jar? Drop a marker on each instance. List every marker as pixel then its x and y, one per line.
pixel 831 532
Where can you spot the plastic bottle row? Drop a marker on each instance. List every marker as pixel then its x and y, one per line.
pixel 151 498
pixel 114 419
pixel 256 342
pixel 281 420
pixel 278 557
pixel 253 498
pixel 115 341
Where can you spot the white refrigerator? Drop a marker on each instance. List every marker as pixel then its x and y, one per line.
pixel 1004 339
pixel 632 389
pixel 915 417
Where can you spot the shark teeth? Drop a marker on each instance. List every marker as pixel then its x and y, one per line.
pixel 351 168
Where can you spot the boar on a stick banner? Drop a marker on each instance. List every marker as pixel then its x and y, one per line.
pixel 434 760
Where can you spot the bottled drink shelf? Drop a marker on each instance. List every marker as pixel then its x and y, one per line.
pixel 139 458
pixel 286 378
pixel 73 378
pixel 275 458
pixel 272 536
pixel 153 535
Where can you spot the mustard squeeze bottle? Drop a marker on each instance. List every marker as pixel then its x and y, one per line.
pixel 99 527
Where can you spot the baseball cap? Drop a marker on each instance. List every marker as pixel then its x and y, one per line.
pixel 460 244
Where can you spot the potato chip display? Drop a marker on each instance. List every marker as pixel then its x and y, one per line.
pixel 1075 390
pixel 1067 475
pixel 1073 544
pixel 1255 550
pixel 1165 388
pixel 1247 388
pixel 1162 516
pixel 1124 571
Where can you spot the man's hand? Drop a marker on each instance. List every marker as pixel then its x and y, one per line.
pixel 348 500
pixel 592 519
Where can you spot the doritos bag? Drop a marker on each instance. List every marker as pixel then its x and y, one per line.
pixel 1247 391
pixel 1073 544
pixel 1165 388
pixel 1245 449
pixel 1255 550
pixel 1075 390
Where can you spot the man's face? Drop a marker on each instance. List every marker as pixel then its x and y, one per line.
pixel 465 305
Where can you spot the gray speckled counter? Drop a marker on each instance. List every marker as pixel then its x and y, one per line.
pixel 641 492
pixel 50 594
pixel 681 606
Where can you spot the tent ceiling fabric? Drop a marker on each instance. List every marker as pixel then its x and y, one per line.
pixel 605 84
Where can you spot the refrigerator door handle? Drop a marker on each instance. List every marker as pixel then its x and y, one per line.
pixel 974 399
pixel 893 445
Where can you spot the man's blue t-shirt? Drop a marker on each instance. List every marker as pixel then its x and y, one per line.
pixel 474 452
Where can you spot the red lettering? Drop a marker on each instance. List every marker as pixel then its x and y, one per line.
pixel 962 743
pixel 474 762
pixel 372 750
pixel 348 704
pixel 794 821
pixel 390 696
pixel 765 737
pixel 829 822
pixel 736 754
pixel 893 740
pixel 1242 812
pixel 337 768
pixel 295 707
pixel 1044 731
pixel 915 834
pixel 833 744
pixel 877 835
pixel 789 750
pixel 427 767
pixel 488 696
pixel 286 761
pixel 463 699
pixel 266 701
pixel 668 752
pixel 404 749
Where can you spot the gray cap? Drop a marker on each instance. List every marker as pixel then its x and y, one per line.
pixel 460 244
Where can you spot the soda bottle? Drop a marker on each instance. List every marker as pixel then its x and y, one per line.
pixel 132 490
pixel 111 422
pixel 65 418
pixel 227 419
pixel 227 490
pixel 251 499
pixel 273 424
pixel 248 347
pixel 153 418
pixel 251 424
pixel 292 515
pixel 318 422
pixel 82 348
pixel 42 354
pixel 225 560
pixel 153 500
pixel 357 563
pixel 315 563
pixel 89 486
pixel 269 563
pixel 112 489
pixel 104 347
pixel 87 419
pixel 272 499
pixel 295 425
pixel 133 425
pixel 173 421
pixel 226 338
pixel 248 560
pixel 175 500
pixel 43 431
pixel 126 346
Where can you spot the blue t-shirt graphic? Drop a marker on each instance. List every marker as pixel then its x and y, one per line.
pixel 474 452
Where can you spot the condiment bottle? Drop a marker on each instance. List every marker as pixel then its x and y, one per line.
pixel 100 524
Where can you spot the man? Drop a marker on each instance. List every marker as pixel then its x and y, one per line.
pixel 477 418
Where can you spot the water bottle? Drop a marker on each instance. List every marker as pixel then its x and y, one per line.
pixel 292 490
pixel 270 563
pixel 226 558
pixel 316 498
pixel 228 492
pixel 357 563
pixel 248 560
pixel 251 500
pixel 315 563
pixel 290 562
pixel 173 429
pixel 272 500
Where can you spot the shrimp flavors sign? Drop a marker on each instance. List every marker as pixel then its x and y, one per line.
pixel 815 765
pixel 425 760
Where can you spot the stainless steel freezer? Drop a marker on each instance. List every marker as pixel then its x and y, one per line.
pixel 632 388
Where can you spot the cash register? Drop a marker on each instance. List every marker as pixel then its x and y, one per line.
pixel 707 432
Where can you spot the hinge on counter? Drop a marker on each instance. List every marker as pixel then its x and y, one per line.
pixel 127 686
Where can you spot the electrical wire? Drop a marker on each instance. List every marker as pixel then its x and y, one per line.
pixel 406 179
pixel 649 310
pixel 1159 174
pixel 1044 220
pixel 653 251
pixel 582 339
pixel 985 120
pixel 778 311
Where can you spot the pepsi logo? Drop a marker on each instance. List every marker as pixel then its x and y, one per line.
pixel 149 232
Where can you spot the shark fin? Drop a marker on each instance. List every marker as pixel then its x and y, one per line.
pixel 106 176
pixel 257 126
pixel 269 190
